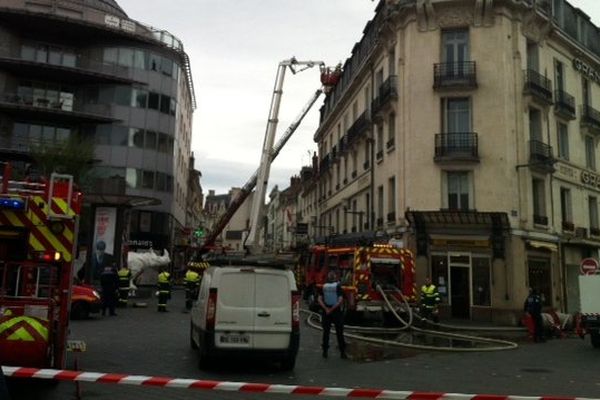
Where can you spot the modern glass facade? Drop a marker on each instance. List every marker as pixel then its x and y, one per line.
pixel 89 71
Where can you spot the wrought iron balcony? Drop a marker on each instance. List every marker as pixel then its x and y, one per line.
pixel 360 126
pixel 540 156
pixel 460 146
pixel 564 104
pixel 590 118
pixel 457 75
pixel 389 144
pixel 540 219
pixel 538 86
pixel 366 164
pixel 385 94
pixel 568 226
pixel 594 231
pixel 379 155
pixel 325 164
pixel 391 217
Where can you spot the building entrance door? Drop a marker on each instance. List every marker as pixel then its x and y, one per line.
pixel 460 292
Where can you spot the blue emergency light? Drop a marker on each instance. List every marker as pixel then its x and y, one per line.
pixel 12 203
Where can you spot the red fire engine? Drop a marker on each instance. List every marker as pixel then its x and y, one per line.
pixel 38 232
pixel 362 266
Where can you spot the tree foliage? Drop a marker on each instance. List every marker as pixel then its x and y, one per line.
pixel 74 157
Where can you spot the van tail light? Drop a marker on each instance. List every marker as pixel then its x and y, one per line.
pixel 295 310
pixel 211 309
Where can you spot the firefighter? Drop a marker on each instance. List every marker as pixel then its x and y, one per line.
pixel 109 280
pixel 192 285
pixel 430 298
pixel 124 279
pixel 164 290
pixel 331 301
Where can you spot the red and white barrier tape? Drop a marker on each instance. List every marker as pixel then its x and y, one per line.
pixel 142 380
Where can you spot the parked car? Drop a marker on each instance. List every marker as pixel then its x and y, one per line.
pixel 85 300
pixel 247 311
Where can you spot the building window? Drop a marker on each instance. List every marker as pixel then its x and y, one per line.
pixel 391 199
pixel 458 190
pixel 535 125
pixel 539 202
pixel 566 211
pixel 455 46
pixel 379 140
pixel 380 201
pixel 456 120
pixel 559 75
pixel 391 131
pixel 148 179
pixel 533 61
pixel 563 141
pixel 481 281
pixel 590 153
pixel 585 88
pixel 593 212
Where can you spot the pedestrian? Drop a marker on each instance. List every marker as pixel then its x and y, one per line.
pixel 331 300
pixel 124 279
pixel 109 281
pixel 164 290
pixel 192 285
pixel 533 308
pixel 430 299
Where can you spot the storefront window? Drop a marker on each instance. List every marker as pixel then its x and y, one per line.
pixel 439 275
pixel 540 278
pixel 481 281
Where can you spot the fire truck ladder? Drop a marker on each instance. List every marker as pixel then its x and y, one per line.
pixel 251 183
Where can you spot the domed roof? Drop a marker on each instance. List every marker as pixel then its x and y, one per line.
pixel 109 6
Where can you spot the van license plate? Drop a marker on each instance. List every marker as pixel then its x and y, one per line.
pixel 235 339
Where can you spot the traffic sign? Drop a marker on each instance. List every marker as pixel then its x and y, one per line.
pixel 588 266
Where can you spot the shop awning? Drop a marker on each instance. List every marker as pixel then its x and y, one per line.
pixel 543 245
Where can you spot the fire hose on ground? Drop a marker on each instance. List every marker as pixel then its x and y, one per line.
pixel 408 325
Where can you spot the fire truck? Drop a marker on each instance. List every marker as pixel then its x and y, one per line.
pixel 366 266
pixel 38 232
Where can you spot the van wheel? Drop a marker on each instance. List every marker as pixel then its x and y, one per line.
pixel 203 358
pixel 595 336
pixel 193 344
pixel 288 364
pixel 80 310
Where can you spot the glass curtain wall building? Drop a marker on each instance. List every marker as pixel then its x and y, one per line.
pixel 83 68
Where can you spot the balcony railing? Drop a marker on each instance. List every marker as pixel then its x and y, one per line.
pixel 564 104
pixel 538 86
pixel 455 75
pixel 568 226
pixel 540 219
pixel 389 144
pixel 456 146
pixel 359 126
pixel 366 164
pixel 590 117
pixel 540 152
pixel 391 217
pixel 386 93
pixel 594 231
pixel 379 155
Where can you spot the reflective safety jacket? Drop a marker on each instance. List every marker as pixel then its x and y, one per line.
pixel 192 278
pixel 430 296
pixel 124 277
pixel 164 283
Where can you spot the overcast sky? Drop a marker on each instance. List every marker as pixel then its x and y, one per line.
pixel 235 47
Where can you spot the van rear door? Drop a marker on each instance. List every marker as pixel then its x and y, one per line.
pixel 235 309
pixel 273 300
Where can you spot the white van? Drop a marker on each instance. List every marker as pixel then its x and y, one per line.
pixel 246 310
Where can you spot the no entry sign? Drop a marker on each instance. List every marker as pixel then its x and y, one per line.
pixel 588 266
